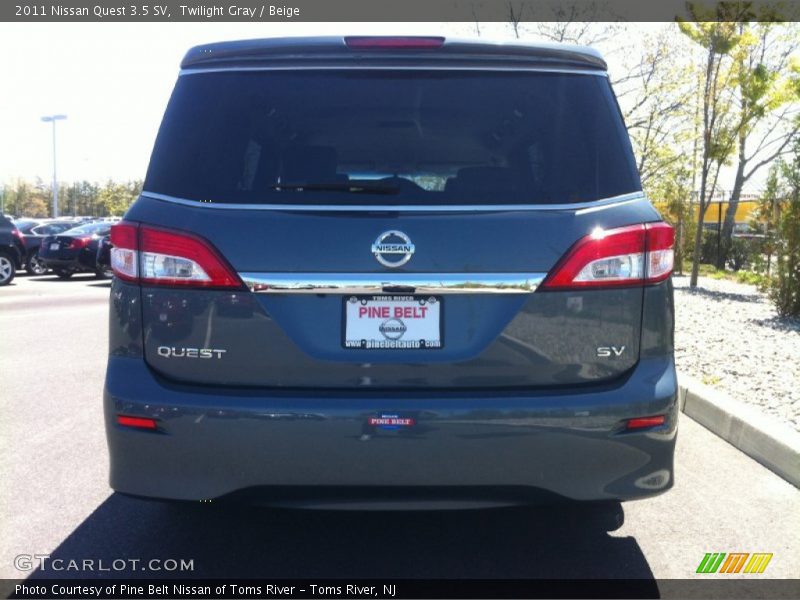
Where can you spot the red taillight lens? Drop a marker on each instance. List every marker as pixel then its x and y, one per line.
pixel 660 251
pixel 613 257
pixel 160 257
pixel 616 257
pixel 125 253
pixel 137 422
pixel 645 422
pixel 80 242
pixel 168 258
pixel 16 233
pixel 384 43
pixel 123 235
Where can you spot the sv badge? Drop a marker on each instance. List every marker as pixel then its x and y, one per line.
pixel 608 351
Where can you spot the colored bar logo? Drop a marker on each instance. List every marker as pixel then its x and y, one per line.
pixel 734 562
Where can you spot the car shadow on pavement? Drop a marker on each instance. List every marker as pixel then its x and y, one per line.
pixel 238 541
pixel 724 296
pixel 53 278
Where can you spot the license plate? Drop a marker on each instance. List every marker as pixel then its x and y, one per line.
pixel 392 323
pixel 54 246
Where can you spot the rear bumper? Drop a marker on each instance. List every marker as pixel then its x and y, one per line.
pixel 70 263
pixel 213 442
pixel 80 261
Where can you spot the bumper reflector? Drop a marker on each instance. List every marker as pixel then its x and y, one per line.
pixel 645 422
pixel 137 422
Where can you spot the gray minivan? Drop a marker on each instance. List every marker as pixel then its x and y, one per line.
pixel 380 268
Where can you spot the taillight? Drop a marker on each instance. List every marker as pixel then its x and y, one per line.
pixel 660 251
pixel 124 254
pixel 154 256
pixel 80 242
pixel 16 233
pixel 631 255
pixel 169 258
pixel 396 43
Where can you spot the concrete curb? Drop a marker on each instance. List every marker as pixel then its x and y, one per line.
pixel 773 444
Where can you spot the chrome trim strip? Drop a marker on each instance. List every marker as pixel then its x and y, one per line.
pixel 388 283
pixel 624 198
pixel 569 71
pixel 603 206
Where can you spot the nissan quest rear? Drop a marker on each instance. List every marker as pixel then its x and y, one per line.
pixel 385 268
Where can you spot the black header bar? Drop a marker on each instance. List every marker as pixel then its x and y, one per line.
pixel 66 11
pixel 249 589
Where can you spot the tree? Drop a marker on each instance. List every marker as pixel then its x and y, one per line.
pixel 26 200
pixel 40 201
pixel 572 24
pixel 767 94
pixel 86 197
pixel 717 35
pixel 514 16
pixel 767 213
pixel 17 195
pixel 115 198
pixel 656 103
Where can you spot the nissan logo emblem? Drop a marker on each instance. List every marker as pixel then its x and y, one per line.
pixel 393 243
pixel 392 329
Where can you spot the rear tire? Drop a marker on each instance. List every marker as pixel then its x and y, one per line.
pixel 7 269
pixel 35 265
pixel 63 273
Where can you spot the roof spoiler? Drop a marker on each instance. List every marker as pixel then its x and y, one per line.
pixel 405 51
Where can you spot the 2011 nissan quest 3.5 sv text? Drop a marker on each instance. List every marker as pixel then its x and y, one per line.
pixel 372 268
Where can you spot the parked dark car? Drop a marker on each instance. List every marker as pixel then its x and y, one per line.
pixel 33 232
pixel 439 249
pixel 75 250
pixel 12 250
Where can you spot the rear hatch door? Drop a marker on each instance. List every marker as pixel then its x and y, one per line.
pixel 314 188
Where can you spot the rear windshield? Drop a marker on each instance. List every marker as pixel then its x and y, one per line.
pixel 392 137
pixel 26 226
pixel 90 229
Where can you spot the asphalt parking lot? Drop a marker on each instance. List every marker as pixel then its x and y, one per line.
pixel 55 498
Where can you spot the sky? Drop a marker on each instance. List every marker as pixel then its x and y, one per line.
pixel 113 81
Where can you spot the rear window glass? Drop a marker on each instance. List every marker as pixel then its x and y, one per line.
pixel 392 137
pixel 51 228
pixel 90 229
pixel 25 226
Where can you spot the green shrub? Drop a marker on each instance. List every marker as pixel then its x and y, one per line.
pixel 745 252
pixel 763 282
pixel 708 247
pixel 785 291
